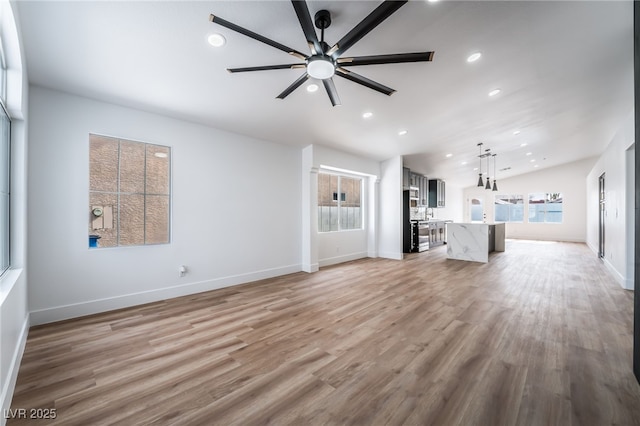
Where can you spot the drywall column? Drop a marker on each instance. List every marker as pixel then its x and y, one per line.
pixel 309 212
pixel 373 195
pixel 636 279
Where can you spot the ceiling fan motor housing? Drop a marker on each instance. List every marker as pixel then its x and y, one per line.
pixel 322 19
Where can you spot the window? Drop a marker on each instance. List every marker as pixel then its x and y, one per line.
pixel 129 192
pixel 5 168
pixel 545 208
pixel 5 161
pixel 509 208
pixel 339 212
pixel 476 210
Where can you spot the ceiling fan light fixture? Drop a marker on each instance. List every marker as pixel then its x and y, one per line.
pixel 494 92
pixel 320 67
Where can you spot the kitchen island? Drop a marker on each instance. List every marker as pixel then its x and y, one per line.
pixel 474 241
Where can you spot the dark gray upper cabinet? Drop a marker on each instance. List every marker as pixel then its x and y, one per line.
pixel 406 178
pixel 420 182
pixel 436 193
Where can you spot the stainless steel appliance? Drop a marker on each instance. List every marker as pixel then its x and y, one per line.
pixel 420 235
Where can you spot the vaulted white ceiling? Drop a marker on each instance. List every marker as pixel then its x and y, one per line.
pixel 565 70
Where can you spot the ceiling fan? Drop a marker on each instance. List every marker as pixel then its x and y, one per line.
pixel 324 62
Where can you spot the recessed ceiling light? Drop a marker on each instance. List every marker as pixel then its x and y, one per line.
pixel 367 115
pixel 529 153
pixel 433 1
pixel 475 169
pixel 533 160
pixel 160 154
pixel 216 40
pixel 516 133
pixel 474 57
pixel 522 145
pixel 312 88
pixel 464 163
pixel 449 155
pixel 494 92
pixel 402 132
pixel 535 165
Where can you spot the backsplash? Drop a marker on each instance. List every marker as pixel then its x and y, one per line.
pixel 418 213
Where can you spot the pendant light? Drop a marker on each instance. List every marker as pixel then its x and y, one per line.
pixel 495 186
pixel 480 183
pixel 488 186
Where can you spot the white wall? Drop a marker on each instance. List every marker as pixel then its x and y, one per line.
pixel 14 316
pixel 390 209
pixel 454 204
pixel 236 214
pixel 569 179
pixel 619 178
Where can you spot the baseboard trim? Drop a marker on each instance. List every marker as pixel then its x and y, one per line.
pixel 75 310
pixel 538 238
pixel 393 256
pixel 314 267
pixel 12 376
pixel 341 259
pixel 616 275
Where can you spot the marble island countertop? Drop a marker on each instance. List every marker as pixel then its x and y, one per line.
pixel 474 241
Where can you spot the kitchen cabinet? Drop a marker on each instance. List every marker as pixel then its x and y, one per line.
pixel 437 233
pixel 423 190
pixel 418 184
pixel 436 193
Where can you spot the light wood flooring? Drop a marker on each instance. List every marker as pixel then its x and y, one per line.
pixel 541 335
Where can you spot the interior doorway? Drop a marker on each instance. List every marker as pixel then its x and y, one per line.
pixel 601 217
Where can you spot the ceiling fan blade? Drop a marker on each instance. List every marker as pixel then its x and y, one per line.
pixel 267 67
pixel 300 6
pixel 293 86
pixel 357 78
pixel 255 36
pixel 332 92
pixel 395 58
pixel 374 19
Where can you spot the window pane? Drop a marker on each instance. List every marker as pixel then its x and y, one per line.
pixel 350 211
pixel 509 208
pixel 5 162
pixel 131 219
pixel 109 234
pixel 477 211
pixel 103 164
pixel 132 167
pixel 516 212
pixel 327 206
pixel 4 231
pixel 5 143
pixel 157 172
pixel 537 207
pixel 157 219
pixel 554 208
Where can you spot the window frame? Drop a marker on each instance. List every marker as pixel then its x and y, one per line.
pixel 6 242
pixel 509 212
pixel 340 199
pixel 546 203
pixel 121 194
